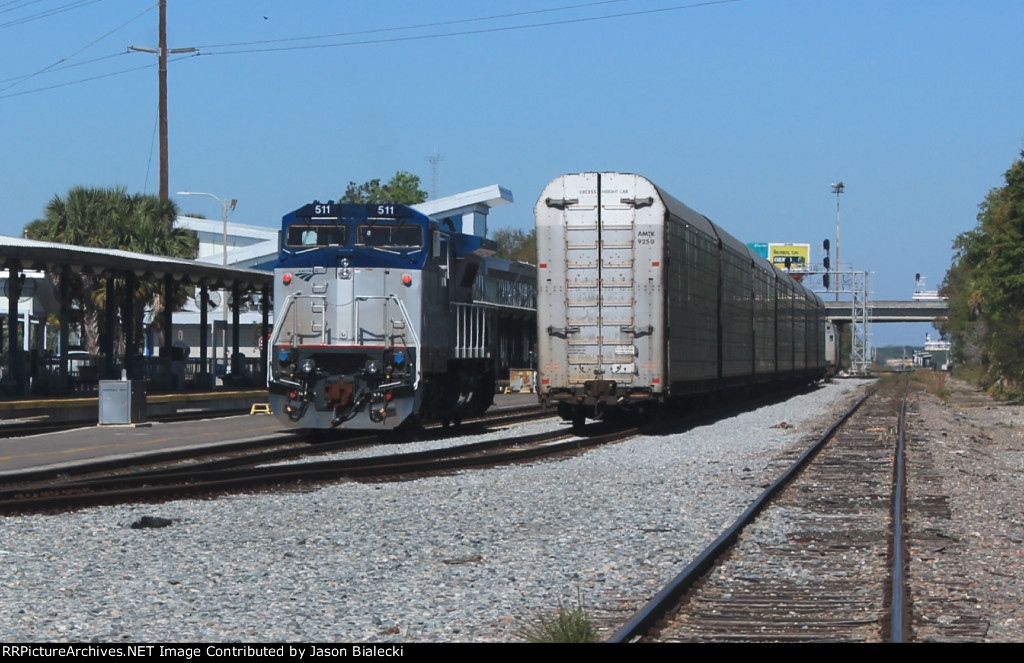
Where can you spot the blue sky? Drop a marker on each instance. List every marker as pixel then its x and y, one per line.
pixel 747 111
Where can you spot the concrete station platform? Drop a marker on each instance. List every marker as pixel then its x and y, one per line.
pixel 52 451
pixel 86 409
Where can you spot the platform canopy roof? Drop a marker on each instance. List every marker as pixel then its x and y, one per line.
pixel 32 254
pixel 471 207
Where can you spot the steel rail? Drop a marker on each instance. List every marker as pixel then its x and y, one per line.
pixel 421 462
pixel 899 623
pixel 315 443
pixel 656 608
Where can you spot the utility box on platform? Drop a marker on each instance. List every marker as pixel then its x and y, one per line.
pixel 122 402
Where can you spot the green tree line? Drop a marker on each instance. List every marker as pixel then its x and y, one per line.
pixel 985 287
pixel 516 244
pixel 402 189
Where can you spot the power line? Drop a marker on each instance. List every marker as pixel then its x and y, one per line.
pixel 14 2
pixel 510 28
pixel 54 67
pixel 442 35
pixel 91 78
pixel 412 27
pixel 44 14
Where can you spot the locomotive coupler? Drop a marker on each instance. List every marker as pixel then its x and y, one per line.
pixel 378 408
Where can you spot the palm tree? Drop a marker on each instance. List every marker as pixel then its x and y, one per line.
pixel 110 218
pixel 78 219
pixel 151 230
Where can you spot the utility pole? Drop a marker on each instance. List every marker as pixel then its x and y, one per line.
pixel 162 66
pixel 161 52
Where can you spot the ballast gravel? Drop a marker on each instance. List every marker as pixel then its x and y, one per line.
pixel 462 557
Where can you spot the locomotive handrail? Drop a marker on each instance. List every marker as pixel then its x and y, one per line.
pixel 283 318
pixel 408 325
pixel 276 334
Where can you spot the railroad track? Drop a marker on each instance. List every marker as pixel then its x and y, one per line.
pixel 812 560
pixel 948 588
pixel 241 467
pixel 285 445
pixel 248 473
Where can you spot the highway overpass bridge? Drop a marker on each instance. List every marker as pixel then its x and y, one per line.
pixel 924 310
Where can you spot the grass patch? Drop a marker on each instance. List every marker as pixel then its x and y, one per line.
pixel 922 379
pixel 972 373
pixel 934 382
pixel 568 623
pixel 985 378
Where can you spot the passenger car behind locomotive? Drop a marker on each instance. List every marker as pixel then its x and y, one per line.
pixel 375 323
pixel 642 301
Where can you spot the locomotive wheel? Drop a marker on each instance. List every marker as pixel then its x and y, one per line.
pixel 407 431
pixel 483 395
pixel 446 422
pixel 579 420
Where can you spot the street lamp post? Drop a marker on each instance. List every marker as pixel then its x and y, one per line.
pixel 226 206
pixel 837 189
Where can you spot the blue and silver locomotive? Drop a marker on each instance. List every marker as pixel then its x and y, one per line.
pixel 375 323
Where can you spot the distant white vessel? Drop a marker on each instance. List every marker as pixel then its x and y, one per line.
pixel 922 295
pixel 936 346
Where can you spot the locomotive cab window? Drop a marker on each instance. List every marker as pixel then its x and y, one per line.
pixel 390 236
pixel 310 236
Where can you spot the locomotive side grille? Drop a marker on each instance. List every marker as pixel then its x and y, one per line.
pixel 474 329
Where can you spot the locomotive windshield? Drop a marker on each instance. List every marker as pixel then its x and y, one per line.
pixel 388 236
pixel 310 236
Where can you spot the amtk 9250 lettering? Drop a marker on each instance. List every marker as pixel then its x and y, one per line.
pixel 375 321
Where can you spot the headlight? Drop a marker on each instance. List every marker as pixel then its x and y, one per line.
pixel 307 366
